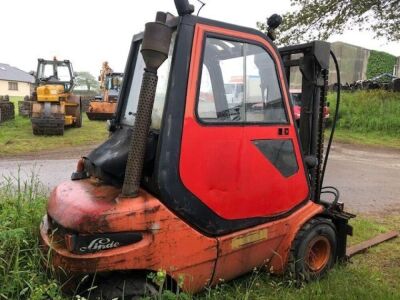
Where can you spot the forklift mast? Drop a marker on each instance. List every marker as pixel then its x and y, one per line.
pixel 312 59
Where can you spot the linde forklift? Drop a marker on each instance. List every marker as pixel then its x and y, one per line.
pixel 202 189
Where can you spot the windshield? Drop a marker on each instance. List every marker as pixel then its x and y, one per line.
pixel 114 82
pixel 54 71
pixel 128 115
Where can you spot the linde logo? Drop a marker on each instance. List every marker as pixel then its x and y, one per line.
pixel 100 244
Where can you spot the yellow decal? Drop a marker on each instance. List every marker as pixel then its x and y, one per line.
pixel 249 238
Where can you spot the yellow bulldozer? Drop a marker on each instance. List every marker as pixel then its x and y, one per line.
pixel 54 106
pixel 103 107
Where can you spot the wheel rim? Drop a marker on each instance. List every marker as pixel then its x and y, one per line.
pixel 318 253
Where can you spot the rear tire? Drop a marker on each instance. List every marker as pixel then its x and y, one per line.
pixel 313 252
pixel 56 130
pixel 132 288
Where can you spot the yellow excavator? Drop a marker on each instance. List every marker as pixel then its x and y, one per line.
pixel 104 106
pixel 54 105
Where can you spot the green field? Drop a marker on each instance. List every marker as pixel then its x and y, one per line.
pixel 373 275
pixel 16 136
pixel 365 117
pixel 368 117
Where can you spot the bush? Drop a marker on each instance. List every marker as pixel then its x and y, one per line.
pixel 379 63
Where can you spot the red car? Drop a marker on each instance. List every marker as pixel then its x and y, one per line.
pixel 296 101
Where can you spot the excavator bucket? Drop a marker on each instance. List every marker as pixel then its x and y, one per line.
pixel 100 110
pixel 103 107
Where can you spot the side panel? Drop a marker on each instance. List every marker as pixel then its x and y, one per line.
pixel 266 245
pixel 167 178
pixel 222 165
pixel 168 243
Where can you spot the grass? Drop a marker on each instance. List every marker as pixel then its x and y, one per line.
pixel 16 136
pixel 368 117
pixel 22 275
pixel 365 117
pixel 373 275
pixel 376 139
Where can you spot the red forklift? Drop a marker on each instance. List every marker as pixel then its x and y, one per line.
pixel 204 190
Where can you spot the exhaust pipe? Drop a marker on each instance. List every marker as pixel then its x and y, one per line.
pixel 155 48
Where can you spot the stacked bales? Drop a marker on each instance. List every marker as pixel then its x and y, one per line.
pixel 396 85
pixel 85 101
pixel 25 107
pixel 6 109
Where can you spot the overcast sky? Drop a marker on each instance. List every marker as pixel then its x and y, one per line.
pixel 87 32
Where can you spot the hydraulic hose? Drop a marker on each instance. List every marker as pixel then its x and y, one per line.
pixel 328 148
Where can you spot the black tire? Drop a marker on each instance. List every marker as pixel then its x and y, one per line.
pixel 313 252
pixel 131 288
pixel 57 130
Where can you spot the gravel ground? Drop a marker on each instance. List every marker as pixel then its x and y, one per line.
pixel 368 178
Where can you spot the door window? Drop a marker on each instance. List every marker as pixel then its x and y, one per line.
pixel 239 84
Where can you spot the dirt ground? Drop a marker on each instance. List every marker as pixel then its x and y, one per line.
pixel 368 178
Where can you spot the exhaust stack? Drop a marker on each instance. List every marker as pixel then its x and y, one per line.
pixel 155 48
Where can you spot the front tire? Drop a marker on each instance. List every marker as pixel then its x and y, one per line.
pixel 313 252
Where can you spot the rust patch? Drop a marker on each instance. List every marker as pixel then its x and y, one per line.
pixel 151 210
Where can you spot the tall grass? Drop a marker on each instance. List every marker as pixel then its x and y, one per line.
pixel 22 271
pixel 375 111
pixel 23 274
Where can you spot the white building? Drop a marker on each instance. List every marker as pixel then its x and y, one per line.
pixel 15 82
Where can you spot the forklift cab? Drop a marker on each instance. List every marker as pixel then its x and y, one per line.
pixel 254 169
pixel 224 188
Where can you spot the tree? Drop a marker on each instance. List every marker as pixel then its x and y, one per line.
pixel 319 19
pixel 85 79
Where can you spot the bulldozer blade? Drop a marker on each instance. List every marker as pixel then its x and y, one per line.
pixel 364 246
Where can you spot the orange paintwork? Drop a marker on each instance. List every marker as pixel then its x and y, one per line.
pixel 271 252
pixel 102 107
pixel 168 242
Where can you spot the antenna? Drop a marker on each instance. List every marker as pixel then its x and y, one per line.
pixel 202 5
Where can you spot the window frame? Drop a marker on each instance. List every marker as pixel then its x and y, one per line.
pixel 11 83
pixel 236 123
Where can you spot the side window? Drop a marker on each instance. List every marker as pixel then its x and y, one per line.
pixel 206 106
pixel 239 84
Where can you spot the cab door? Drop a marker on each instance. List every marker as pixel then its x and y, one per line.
pixel 240 154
